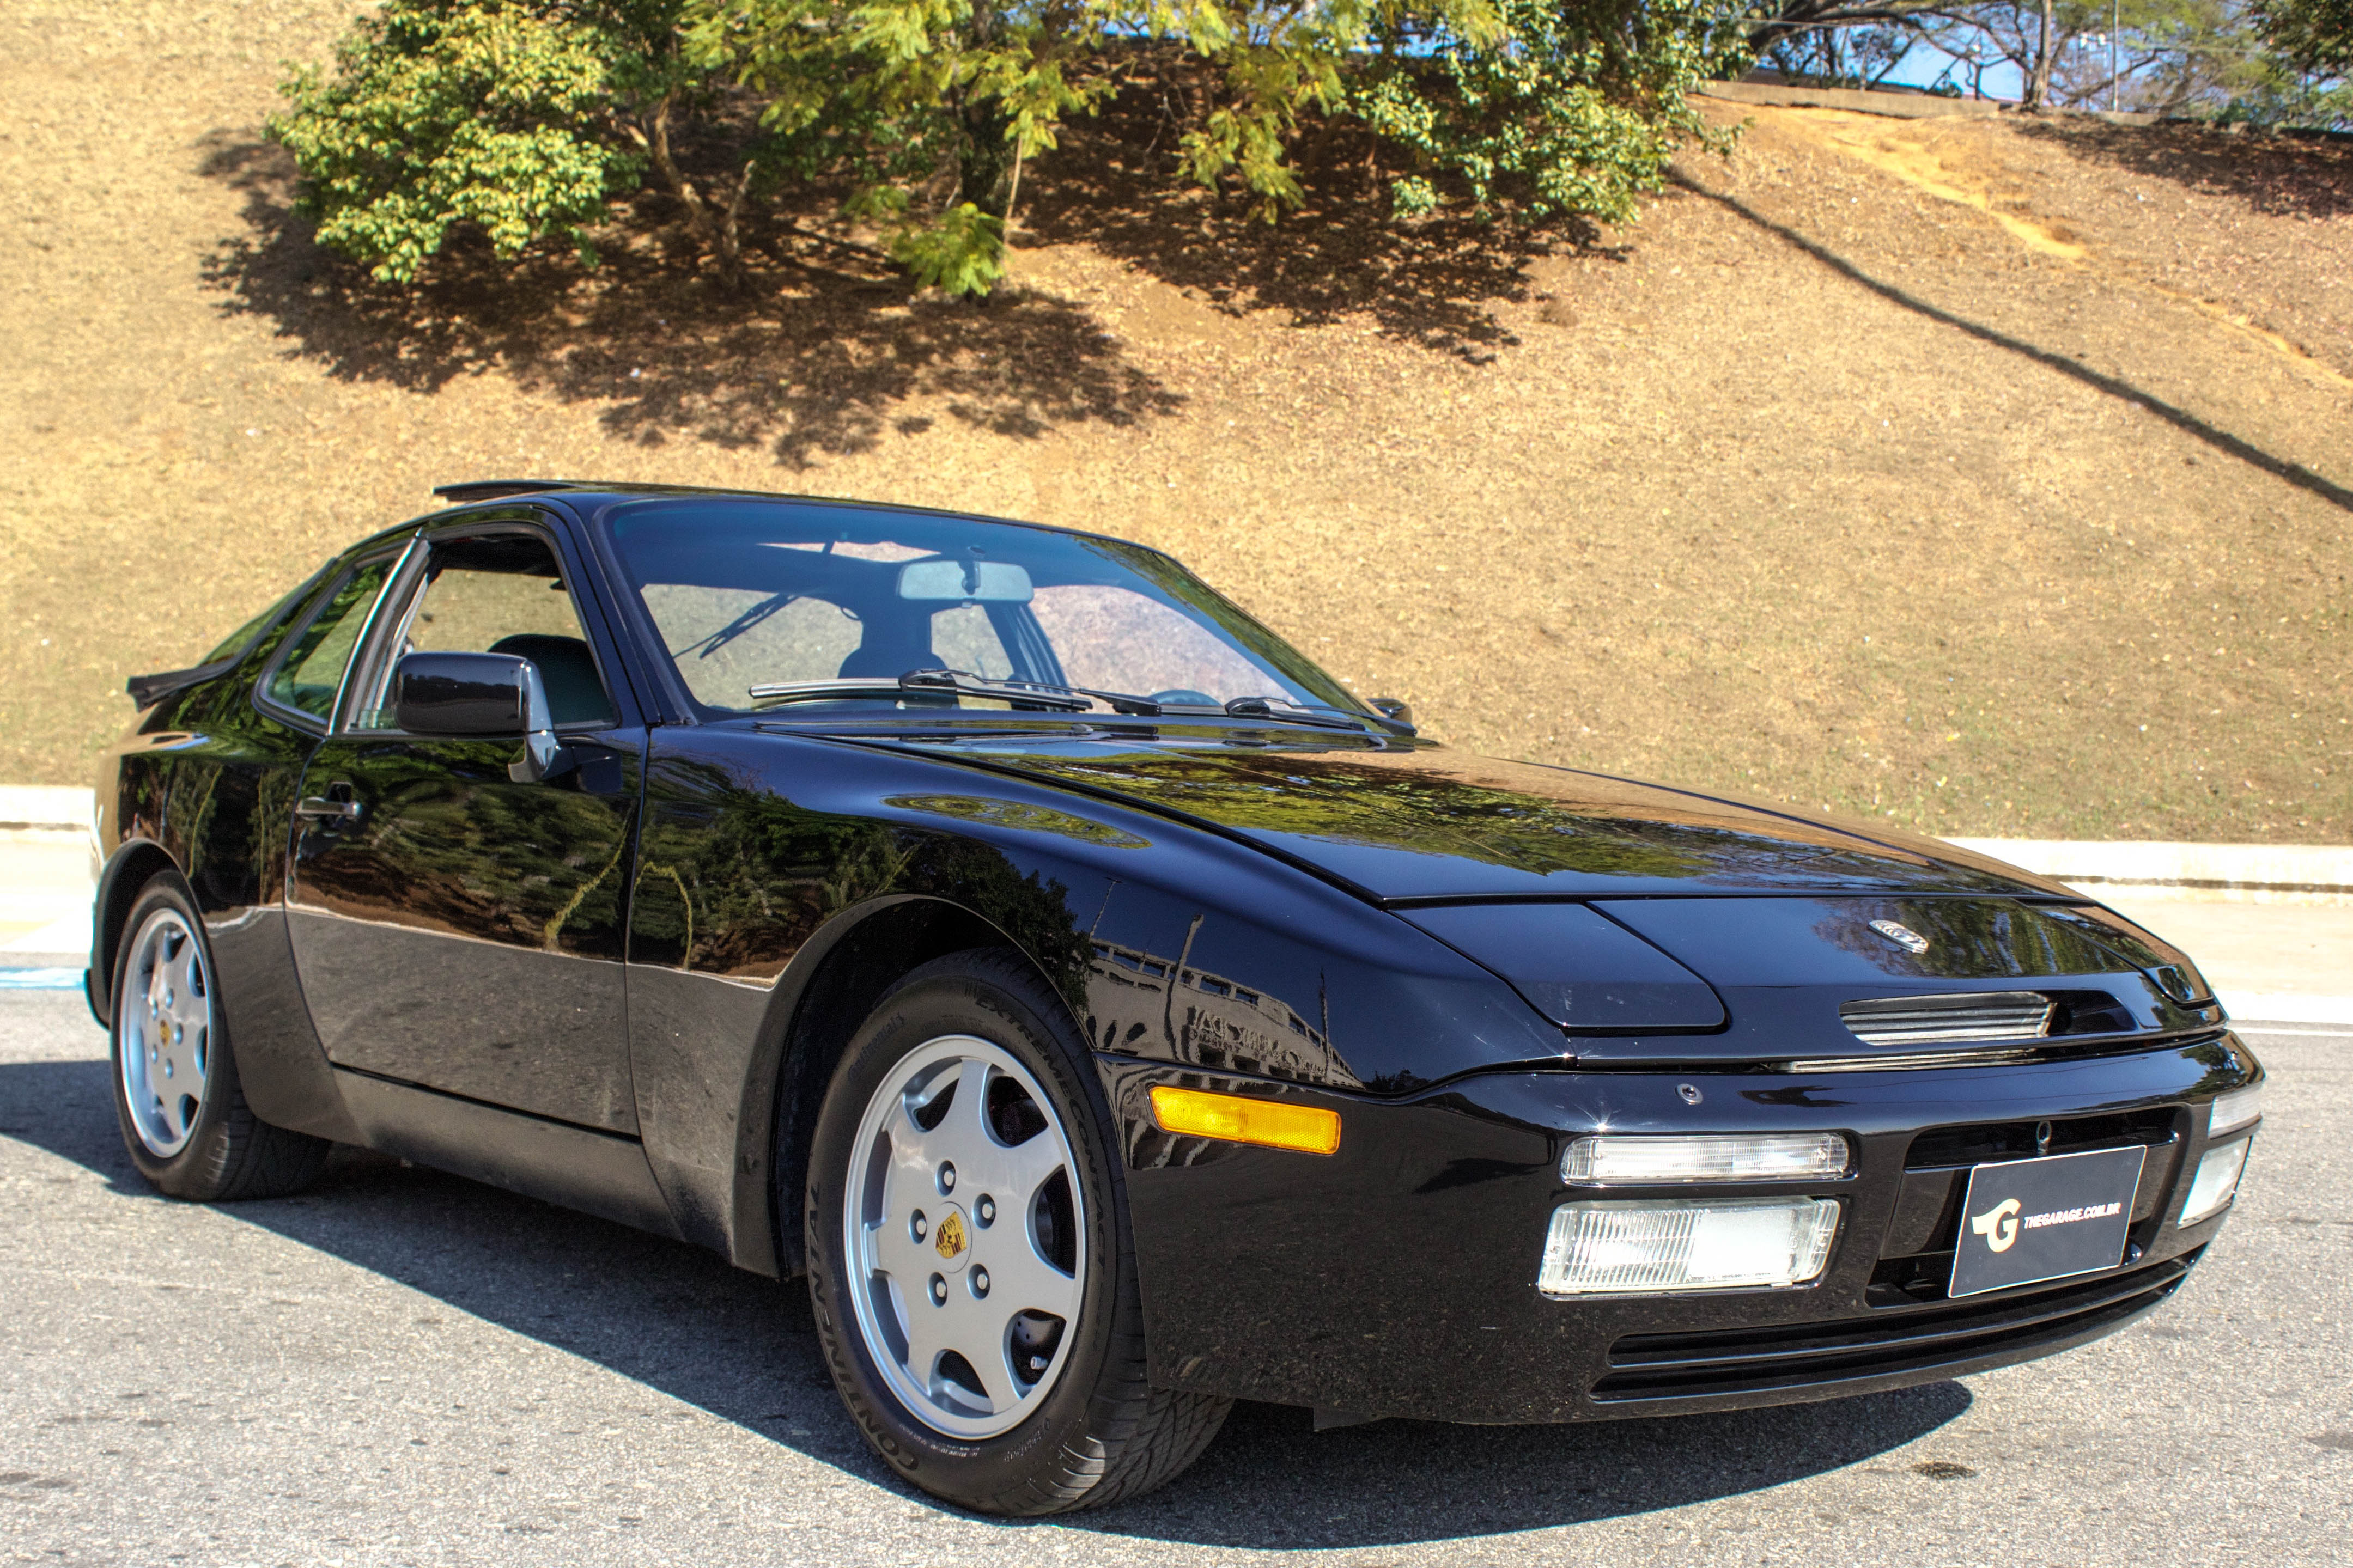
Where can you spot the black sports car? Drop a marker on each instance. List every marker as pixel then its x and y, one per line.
pixel 1111 1013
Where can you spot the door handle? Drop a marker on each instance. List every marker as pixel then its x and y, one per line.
pixel 315 808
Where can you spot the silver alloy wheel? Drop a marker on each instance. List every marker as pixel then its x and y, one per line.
pixel 163 1032
pixel 964 1227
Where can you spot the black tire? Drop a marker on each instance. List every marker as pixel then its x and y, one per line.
pixel 1102 1434
pixel 229 1153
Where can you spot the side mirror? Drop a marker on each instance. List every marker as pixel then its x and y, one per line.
pixel 493 696
pixel 1392 709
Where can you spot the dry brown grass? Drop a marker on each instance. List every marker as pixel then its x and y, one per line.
pixel 1820 484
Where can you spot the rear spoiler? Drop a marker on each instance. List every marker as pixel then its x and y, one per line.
pixel 146 690
pixel 493 489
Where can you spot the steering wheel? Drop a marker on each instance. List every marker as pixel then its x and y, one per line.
pixel 1188 697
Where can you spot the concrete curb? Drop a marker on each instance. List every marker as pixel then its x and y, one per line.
pixel 2252 1010
pixel 46 806
pixel 2228 873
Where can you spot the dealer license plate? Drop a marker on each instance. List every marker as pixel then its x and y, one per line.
pixel 2031 1220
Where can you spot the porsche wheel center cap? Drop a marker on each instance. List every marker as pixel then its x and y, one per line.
pixel 952 1238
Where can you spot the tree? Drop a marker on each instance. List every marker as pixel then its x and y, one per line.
pixel 2315 35
pixel 482 112
pixel 527 117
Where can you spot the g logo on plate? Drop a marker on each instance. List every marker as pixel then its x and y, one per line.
pixel 1998 1225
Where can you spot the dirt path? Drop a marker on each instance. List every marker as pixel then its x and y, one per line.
pixel 1826 487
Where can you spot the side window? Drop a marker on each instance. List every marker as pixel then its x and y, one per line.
pixel 312 669
pixel 505 594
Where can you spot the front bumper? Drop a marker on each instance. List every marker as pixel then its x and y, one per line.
pixel 1399 1276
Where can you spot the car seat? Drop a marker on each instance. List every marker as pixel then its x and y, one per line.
pixel 567 671
pixel 890 652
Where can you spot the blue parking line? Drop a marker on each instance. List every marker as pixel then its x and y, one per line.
pixel 40 979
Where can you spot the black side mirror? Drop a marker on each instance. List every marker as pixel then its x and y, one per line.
pixel 491 695
pixel 1395 711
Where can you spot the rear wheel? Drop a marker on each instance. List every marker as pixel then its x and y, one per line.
pixel 183 1115
pixel 970 1259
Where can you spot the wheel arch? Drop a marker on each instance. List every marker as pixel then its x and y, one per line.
pixel 132 866
pixel 836 980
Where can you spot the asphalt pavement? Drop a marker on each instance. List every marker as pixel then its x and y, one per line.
pixel 401 1367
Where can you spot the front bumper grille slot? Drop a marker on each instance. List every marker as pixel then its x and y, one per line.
pixel 1970 1017
pixel 1720 1362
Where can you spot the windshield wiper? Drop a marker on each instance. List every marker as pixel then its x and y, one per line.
pixel 1052 696
pixel 932 682
pixel 1314 713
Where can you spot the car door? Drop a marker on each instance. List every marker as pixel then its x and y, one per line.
pixel 455 928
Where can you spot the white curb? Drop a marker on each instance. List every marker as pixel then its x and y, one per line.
pixel 2227 873
pixel 2252 1009
pixel 45 805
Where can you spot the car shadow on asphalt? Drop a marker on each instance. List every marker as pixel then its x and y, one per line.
pixel 680 1320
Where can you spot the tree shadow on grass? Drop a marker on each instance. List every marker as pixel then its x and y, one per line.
pixel 1435 283
pixel 2282 176
pixel 679 1320
pixel 818 353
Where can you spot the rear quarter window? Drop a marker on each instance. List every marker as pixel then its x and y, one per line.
pixel 310 671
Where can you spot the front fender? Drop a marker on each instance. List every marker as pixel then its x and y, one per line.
pixel 783 877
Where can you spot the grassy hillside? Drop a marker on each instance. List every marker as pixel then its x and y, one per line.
pixel 1992 478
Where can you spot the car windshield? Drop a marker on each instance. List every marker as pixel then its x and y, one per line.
pixel 749 597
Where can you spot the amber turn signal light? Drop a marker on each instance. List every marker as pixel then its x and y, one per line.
pixel 1239 1119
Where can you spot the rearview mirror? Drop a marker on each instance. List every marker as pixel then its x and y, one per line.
pixel 492 696
pixel 985 582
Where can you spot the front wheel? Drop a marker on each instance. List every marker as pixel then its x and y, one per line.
pixel 176 1093
pixel 970 1259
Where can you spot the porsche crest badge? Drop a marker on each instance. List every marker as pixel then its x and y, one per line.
pixel 1902 935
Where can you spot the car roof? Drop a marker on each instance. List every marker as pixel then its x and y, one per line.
pixel 589 492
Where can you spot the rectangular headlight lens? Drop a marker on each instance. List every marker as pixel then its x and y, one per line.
pixel 2235 1110
pixel 1673 1245
pixel 2217 1179
pixel 1612 1161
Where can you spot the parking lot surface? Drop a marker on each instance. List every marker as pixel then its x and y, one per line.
pixel 402 1367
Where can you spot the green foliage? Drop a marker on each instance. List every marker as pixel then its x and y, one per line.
pixel 493 112
pixel 1572 109
pixel 963 252
pixel 2315 36
pixel 526 117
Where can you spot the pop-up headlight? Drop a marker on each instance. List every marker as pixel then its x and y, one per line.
pixel 1611 1161
pixel 2216 1182
pixel 1675 1245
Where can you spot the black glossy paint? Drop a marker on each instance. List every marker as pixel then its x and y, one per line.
pixel 466 933
pixel 622 988
pixel 1579 967
pixel 1399 1276
pixel 1412 820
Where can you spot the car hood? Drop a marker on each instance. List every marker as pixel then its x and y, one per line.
pixel 1426 821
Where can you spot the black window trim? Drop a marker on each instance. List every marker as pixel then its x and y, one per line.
pixel 286 713
pixel 529 521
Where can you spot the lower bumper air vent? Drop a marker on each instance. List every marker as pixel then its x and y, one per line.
pixel 2009 1327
